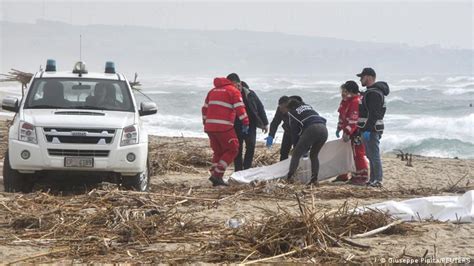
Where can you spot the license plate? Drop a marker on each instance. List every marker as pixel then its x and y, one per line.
pixel 81 162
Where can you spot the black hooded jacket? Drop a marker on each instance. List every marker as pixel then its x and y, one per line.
pixel 301 118
pixel 277 119
pixel 372 107
pixel 255 111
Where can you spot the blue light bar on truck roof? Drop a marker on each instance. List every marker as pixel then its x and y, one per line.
pixel 110 67
pixel 50 65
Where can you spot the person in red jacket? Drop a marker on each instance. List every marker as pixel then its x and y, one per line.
pixel 222 105
pixel 348 116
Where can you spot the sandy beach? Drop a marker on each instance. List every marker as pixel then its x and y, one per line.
pixel 180 186
pixel 116 106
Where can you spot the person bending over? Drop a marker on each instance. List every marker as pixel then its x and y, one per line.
pixel 281 115
pixel 308 132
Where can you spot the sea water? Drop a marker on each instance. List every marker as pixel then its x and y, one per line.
pixel 427 115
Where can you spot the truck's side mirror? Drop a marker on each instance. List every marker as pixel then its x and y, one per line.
pixel 147 108
pixel 10 104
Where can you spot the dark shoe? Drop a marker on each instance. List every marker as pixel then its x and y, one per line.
pixel 314 181
pixel 341 178
pixel 376 184
pixel 289 179
pixel 216 181
pixel 358 181
pixel 212 180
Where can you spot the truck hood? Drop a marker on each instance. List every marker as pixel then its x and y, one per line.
pixel 78 118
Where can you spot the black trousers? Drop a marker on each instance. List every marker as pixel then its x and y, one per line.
pixel 313 139
pixel 249 140
pixel 285 146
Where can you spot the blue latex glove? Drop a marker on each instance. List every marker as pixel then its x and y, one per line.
pixel 269 140
pixel 338 133
pixel 366 135
pixel 245 129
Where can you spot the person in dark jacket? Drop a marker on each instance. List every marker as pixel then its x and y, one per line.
pixel 308 132
pixel 372 109
pixel 281 115
pixel 258 119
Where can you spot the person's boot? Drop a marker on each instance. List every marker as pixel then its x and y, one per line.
pixel 377 184
pixel 364 179
pixel 213 180
pixel 314 181
pixel 289 178
pixel 358 181
pixel 216 181
pixel 341 178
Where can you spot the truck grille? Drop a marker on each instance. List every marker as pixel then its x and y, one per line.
pixel 79 135
pixel 87 153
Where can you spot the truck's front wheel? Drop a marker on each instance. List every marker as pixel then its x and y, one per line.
pixel 139 182
pixel 14 181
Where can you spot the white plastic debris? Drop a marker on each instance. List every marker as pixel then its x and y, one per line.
pixel 459 209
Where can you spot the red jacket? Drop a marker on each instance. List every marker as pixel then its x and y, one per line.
pixel 348 115
pixel 222 105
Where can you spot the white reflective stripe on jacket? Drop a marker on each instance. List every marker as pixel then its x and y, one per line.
pixel 221 103
pixel 219 121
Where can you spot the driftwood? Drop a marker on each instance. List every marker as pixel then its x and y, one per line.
pixel 116 226
pixel 17 75
pixel 408 157
pixel 409 161
pixel 277 256
pixel 38 255
pixel 400 155
pixel 378 230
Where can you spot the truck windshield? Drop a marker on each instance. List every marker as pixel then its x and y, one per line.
pixel 95 94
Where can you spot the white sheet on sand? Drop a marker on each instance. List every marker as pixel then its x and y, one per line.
pixel 441 208
pixel 335 158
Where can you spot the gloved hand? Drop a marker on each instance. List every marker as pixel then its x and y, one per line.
pixel 269 140
pixel 346 137
pixel 245 129
pixel 366 135
pixel 337 133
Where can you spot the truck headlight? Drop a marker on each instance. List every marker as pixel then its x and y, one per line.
pixel 129 136
pixel 27 132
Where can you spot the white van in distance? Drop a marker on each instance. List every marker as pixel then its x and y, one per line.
pixel 77 123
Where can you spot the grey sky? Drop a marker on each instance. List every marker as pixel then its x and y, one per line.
pixel 447 23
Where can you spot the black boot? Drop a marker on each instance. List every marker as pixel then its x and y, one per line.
pixel 216 181
pixel 314 181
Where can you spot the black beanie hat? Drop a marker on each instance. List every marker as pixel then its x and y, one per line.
pixel 233 77
pixel 351 86
pixel 296 97
pixel 294 103
pixel 283 99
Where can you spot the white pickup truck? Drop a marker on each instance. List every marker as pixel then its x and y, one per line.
pixel 77 123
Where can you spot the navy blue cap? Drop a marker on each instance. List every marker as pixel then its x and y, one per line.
pixel 368 71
